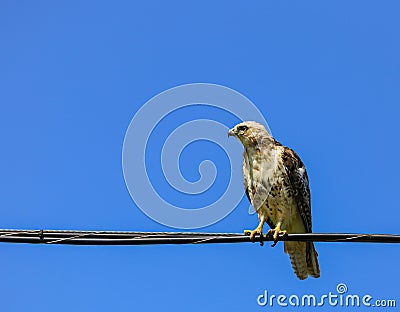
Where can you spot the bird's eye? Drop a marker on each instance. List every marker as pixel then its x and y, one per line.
pixel 242 128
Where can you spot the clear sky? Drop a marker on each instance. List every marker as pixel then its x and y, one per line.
pixel 325 75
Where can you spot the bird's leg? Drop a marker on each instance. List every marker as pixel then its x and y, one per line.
pixel 276 232
pixel 257 230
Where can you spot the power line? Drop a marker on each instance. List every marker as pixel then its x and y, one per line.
pixel 159 238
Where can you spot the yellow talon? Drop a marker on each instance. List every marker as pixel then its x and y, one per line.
pixel 275 233
pixel 257 230
pixel 253 233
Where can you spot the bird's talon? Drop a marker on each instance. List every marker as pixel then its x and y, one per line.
pixel 275 241
pixel 275 234
pixel 261 239
pixel 253 234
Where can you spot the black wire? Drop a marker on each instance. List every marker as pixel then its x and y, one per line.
pixel 156 238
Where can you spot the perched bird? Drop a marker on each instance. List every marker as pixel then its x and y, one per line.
pixel 276 183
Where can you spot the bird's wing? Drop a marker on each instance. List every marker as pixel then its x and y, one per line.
pixel 298 178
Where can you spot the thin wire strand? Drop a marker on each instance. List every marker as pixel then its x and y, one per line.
pixel 157 238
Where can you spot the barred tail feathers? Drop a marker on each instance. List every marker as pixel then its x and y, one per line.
pixel 312 260
pixel 304 259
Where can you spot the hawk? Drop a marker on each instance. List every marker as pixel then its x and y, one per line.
pixel 276 184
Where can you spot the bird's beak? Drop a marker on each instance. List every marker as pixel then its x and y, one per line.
pixel 231 133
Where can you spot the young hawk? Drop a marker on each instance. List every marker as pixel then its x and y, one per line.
pixel 276 183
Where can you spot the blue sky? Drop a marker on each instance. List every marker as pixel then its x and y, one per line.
pixel 325 75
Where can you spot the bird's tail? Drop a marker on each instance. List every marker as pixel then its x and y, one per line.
pixel 304 258
pixel 312 260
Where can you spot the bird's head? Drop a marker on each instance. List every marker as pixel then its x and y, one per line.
pixel 249 133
